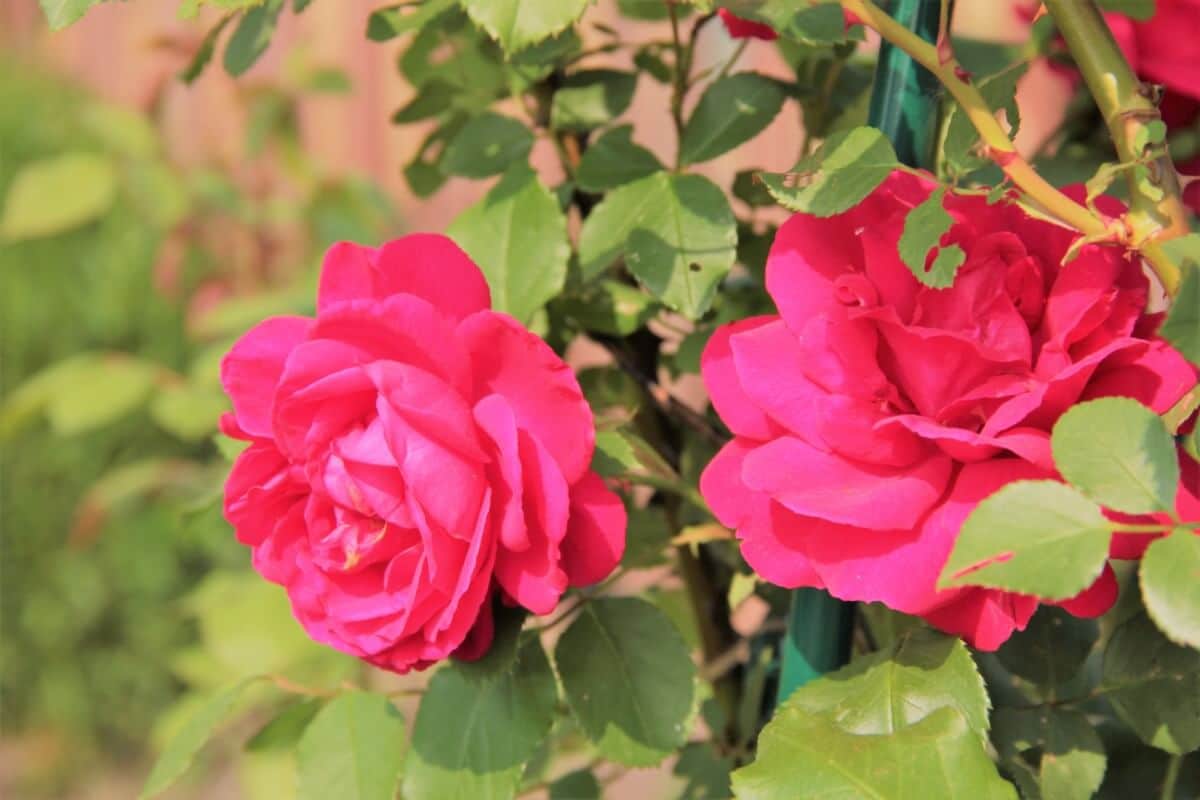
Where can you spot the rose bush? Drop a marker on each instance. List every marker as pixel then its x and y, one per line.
pixel 411 454
pixel 874 413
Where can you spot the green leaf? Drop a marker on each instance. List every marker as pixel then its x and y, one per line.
pixel 178 755
pixel 252 37
pixel 621 453
pixel 1182 325
pixel 1154 685
pixel 516 24
pixel 1138 9
pixel 472 738
pixel 578 785
pixel 98 392
pixel 284 730
pixel 57 194
pixel 845 169
pixel 388 23
pixel 923 230
pixel 518 236
pixel 501 656
pixel 1119 453
pixel 707 774
pixel 1057 749
pixel 1035 537
pixel 487 145
pixel 591 98
pixel 614 160
pixel 750 190
pixel 886 691
pixel 352 750
pixel 805 755
pixel 647 536
pixel 1052 648
pixel 205 52
pixel 822 24
pixel 732 110
pixel 677 233
pixel 628 678
pixel 999 91
pixel 434 97
pixel 188 411
pixel 61 13
pixel 610 307
pixel 1170 581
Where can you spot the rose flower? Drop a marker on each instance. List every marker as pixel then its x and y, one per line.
pixel 412 454
pixel 872 414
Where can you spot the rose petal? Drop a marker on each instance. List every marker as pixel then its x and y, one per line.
pixel 595 537
pixel 252 369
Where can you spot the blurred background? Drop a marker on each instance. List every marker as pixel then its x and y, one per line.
pixel 194 211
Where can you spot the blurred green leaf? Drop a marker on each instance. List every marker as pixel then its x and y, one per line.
pixel 252 37
pixel 57 194
pixel 1154 685
pixel 628 678
pixel 205 52
pixel 578 785
pixel 284 730
pixel 591 99
pixel 1119 453
pixel 845 169
pixel 187 411
pixel 472 738
pixel 924 228
pixel 61 13
pixel 706 773
pixel 613 160
pixel 1182 325
pixel 518 236
pixel 517 24
pixel 178 755
pixel 610 307
pixel 487 145
pixel 732 110
pixel 1035 537
pixel 352 750
pixel 388 23
pixel 1170 581
pixel 1141 10
pixel 646 539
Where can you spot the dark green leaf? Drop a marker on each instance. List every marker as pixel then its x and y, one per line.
pixel 191 736
pixel 1170 581
pixel 750 190
pixel 628 678
pixel 707 774
pixel 352 750
pixel 286 728
pixel 614 160
pixel 999 91
pixel 518 236
pixel 1057 750
pixel 57 194
pixel 472 738
pixel 432 99
pixel 1051 649
pixel 610 307
pixel 649 61
pixel 251 37
pixel 1035 537
pixel 1138 9
pixel 845 169
pixel 732 110
pixel 646 538
pixel 591 99
pixel 924 228
pixel 1119 453
pixel 578 785
pixel 501 657
pixel 487 145
pixel 517 24
pixel 1154 685
pixel 387 23
pixel 205 52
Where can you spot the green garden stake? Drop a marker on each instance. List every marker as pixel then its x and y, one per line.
pixel 904 105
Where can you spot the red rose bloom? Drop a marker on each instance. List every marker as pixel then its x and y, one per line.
pixel 873 413
pixel 411 453
pixel 740 28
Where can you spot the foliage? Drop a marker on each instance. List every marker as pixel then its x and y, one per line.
pixel 642 254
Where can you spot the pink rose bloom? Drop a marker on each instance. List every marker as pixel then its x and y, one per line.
pixel 739 28
pixel 412 453
pixel 873 413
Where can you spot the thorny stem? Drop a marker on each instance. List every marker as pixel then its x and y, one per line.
pixel 1156 208
pixel 997 144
